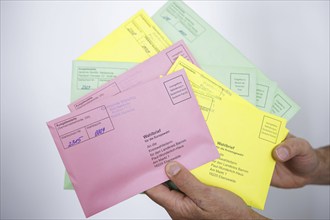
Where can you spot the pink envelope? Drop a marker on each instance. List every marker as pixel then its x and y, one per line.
pixel 118 147
pixel 152 68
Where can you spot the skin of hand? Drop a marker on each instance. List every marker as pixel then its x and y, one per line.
pixel 197 200
pixel 298 164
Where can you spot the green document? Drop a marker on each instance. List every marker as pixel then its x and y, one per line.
pixel 87 76
pixel 178 21
pixel 241 80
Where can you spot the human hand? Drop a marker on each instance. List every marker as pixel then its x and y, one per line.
pixel 298 164
pixel 198 201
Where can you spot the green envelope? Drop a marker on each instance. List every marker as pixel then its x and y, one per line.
pixel 178 21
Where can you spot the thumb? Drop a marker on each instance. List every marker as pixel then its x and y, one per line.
pixel 290 148
pixel 185 181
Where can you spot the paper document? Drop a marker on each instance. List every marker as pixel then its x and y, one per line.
pixel 178 21
pixel 244 135
pixel 134 41
pixel 119 146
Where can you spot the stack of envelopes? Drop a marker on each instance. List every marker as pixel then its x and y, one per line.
pixel 139 101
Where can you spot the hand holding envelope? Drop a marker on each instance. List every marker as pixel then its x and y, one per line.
pixel 118 147
pixel 121 133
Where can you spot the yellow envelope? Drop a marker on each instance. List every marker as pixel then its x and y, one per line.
pixel 244 135
pixel 134 41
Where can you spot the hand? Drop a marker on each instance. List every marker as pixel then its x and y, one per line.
pixel 198 201
pixel 298 164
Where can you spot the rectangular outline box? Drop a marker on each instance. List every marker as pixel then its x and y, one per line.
pixel 90 97
pixel 290 106
pixel 98 80
pixel 248 82
pixel 267 87
pixel 169 93
pixel 262 125
pixel 102 106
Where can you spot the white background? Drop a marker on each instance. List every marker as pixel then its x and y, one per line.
pixel 289 41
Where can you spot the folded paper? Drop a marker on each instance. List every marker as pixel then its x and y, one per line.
pixel 119 146
pixel 244 135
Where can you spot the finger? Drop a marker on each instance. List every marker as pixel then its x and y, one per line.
pixel 290 148
pixel 185 181
pixel 290 136
pixel 163 196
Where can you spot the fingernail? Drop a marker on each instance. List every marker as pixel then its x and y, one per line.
pixel 282 153
pixel 172 169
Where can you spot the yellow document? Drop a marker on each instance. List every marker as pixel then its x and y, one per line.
pixel 134 41
pixel 243 134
